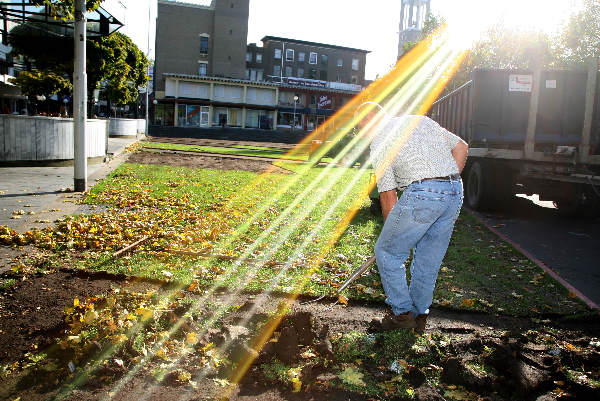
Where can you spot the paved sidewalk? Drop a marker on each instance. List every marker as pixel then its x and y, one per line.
pixel 42 194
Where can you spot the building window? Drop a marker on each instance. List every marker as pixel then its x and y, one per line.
pixel 249 56
pixel 338 79
pixel 247 73
pixel 300 72
pixel 340 62
pixel 289 55
pixel 313 99
pixel 259 58
pixel 313 73
pixel 312 58
pixel 324 59
pixel 354 79
pixel 259 75
pixel 323 75
pixel 288 71
pixel 277 53
pixel 355 64
pixel 252 75
pixel 203 44
pixel 277 70
pixel 301 56
pixel 202 69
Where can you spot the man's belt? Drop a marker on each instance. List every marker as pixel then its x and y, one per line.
pixel 452 177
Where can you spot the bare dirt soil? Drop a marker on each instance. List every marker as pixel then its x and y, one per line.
pixel 183 159
pixel 32 312
pixel 220 142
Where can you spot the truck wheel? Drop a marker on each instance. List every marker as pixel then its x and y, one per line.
pixel 477 191
pixel 567 207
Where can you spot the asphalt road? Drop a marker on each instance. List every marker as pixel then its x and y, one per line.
pixel 569 246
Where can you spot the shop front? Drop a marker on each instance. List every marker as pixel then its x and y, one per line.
pixel 192 115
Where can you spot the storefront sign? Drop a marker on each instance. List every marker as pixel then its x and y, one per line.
pixel 307 82
pixel 324 102
pixel 520 83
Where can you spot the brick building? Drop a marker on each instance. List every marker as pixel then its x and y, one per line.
pixel 206 75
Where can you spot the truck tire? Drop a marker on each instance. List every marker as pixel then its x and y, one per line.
pixel 478 191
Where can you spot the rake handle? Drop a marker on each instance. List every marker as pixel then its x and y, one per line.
pixel 357 273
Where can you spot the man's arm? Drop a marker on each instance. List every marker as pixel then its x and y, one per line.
pixel 388 199
pixel 459 152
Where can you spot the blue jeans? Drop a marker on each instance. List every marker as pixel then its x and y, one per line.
pixel 421 220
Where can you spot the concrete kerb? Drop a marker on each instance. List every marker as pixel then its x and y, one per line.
pixel 538 262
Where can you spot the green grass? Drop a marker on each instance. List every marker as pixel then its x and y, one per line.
pixel 480 272
pixel 240 150
pixel 6 283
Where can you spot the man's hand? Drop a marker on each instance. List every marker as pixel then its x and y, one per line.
pixel 459 152
pixel 388 199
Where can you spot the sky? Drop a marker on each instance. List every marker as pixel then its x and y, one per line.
pixel 370 25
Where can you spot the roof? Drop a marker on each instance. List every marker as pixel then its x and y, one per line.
pixel 211 6
pixel 218 79
pixel 305 42
pixel 254 83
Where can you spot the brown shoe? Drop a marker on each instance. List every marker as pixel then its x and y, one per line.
pixel 401 321
pixel 421 322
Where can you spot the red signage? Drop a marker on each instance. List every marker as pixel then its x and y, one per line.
pixel 324 102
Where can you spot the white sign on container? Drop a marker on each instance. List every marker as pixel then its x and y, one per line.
pixel 520 83
pixel 551 84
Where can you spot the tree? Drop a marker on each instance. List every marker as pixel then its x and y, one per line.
pixel 431 23
pixel 65 9
pixel 123 68
pixel 34 83
pixel 505 48
pixel 580 39
pixel 115 61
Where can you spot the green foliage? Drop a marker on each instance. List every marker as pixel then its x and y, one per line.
pixel 7 283
pixel 113 60
pixel 36 82
pixel 432 22
pixel 123 66
pixel 506 48
pixel 65 9
pixel 580 38
pixel 503 47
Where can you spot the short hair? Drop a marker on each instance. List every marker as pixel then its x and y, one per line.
pixel 363 104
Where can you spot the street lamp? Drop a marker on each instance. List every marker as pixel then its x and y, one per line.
pixel 65 107
pixel 154 102
pixel 294 121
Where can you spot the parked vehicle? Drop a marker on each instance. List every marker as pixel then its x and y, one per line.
pixel 532 132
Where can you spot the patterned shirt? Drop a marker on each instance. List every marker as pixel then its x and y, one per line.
pixel 411 148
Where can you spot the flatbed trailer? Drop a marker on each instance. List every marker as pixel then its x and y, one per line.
pixel 531 132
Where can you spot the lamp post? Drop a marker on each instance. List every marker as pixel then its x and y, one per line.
pixel 155 102
pixel 66 105
pixel 294 121
pixel 79 98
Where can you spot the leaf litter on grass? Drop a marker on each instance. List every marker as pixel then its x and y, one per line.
pixel 190 211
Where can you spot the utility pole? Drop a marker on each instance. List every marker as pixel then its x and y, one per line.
pixel 80 97
pixel 148 71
